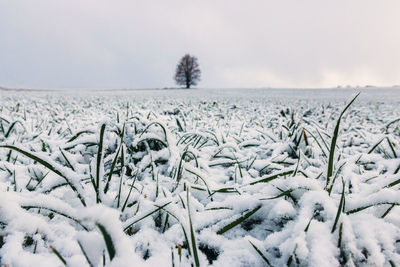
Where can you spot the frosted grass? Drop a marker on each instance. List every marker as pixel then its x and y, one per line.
pixel 276 177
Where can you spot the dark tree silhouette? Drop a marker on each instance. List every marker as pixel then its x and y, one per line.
pixel 188 71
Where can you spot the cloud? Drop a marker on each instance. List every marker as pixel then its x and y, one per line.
pixel 132 44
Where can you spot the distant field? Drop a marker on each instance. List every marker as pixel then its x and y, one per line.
pixel 257 177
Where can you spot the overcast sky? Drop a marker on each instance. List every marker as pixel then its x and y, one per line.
pixel 137 44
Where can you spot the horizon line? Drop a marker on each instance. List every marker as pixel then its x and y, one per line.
pixel 4 88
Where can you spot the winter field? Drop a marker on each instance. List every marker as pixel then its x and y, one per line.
pixel 200 177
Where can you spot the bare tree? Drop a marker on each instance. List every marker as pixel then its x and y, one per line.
pixel 187 71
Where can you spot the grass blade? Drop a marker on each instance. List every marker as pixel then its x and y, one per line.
pixel 183 230
pixel 390 123
pixel 27 207
pixel 375 146
pixel 11 128
pixel 130 190
pixel 192 237
pixel 340 208
pixel 261 254
pixel 372 205
pixel 340 235
pixel 58 255
pixel 392 147
pixel 108 240
pixel 334 178
pixel 98 162
pixel 284 193
pixel 238 221
pixel 114 163
pixel 77 135
pixel 272 177
pixel 49 166
pixel 334 139
pixel 85 254
pixel 145 216
pixel 66 160
pixel 388 210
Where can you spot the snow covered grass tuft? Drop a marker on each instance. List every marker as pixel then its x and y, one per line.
pixel 168 180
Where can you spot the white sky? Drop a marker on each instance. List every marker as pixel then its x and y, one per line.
pixel 137 44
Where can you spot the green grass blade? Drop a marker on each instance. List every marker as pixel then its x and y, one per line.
pixel 27 207
pixel 85 254
pixel 372 205
pixel 394 183
pixel 120 190
pixel 284 193
pixel 392 147
pixel 121 176
pixel 297 166
pixel 145 216
pixel 238 221
pixel 340 208
pixel 183 228
pixel 388 210
pixel 261 254
pixel 58 255
pixel 272 177
pixel 15 182
pixel 390 123
pixel 77 135
pixel 179 124
pixel 323 139
pixel 172 257
pixel 49 166
pixel 114 163
pixel 334 178
pixel 316 140
pixel 11 128
pixel 159 124
pixel 108 240
pixel 98 162
pixel 130 190
pixel 3 119
pixel 192 237
pixel 340 235
pixel 375 146
pixel 66 159
pixel 334 139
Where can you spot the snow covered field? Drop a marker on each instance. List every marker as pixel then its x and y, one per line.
pixel 200 177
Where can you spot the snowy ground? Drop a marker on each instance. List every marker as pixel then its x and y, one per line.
pixel 200 177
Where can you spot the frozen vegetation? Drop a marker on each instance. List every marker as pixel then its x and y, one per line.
pixel 200 177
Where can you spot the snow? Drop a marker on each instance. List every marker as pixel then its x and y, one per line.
pixel 234 150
